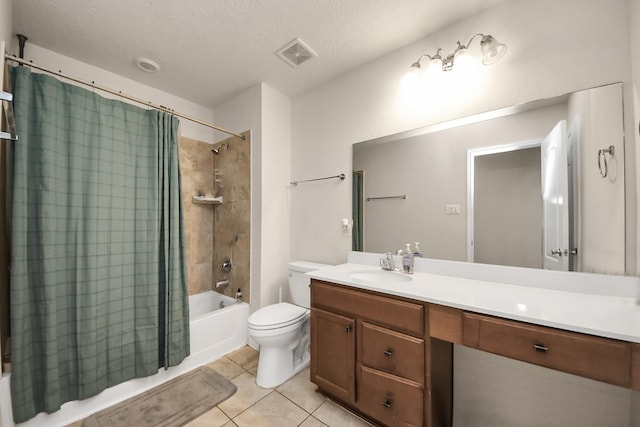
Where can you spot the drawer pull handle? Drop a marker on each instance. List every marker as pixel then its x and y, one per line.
pixel 387 404
pixel 540 348
pixel 349 328
pixel 388 352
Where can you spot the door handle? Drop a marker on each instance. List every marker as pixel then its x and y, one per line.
pixel 556 252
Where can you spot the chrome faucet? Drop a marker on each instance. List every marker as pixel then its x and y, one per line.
pixel 222 283
pixel 387 262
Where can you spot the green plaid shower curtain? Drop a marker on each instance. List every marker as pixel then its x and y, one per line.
pixel 98 279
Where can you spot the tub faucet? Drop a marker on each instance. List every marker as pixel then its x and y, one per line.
pixel 387 262
pixel 222 283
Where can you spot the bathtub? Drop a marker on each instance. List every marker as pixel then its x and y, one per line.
pixel 214 332
pixel 217 325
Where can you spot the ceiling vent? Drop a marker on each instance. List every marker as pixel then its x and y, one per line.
pixel 295 53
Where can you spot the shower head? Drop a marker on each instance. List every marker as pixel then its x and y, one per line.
pixel 217 150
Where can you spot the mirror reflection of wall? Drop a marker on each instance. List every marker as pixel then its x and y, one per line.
pixel 596 122
pixel 507 212
pixel 430 166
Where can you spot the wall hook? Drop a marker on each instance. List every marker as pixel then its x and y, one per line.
pixel 602 160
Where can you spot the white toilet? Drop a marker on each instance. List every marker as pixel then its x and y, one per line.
pixel 282 330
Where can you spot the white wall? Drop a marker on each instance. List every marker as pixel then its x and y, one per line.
pixel 596 117
pixel 633 19
pixel 6 25
pixel 634 134
pixel 554 47
pixel 267 113
pixel 276 175
pixel 72 67
pixel 239 114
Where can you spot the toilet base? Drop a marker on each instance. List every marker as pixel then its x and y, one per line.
pixel 277 364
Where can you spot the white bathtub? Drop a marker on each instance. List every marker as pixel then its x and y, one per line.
pixel 214 333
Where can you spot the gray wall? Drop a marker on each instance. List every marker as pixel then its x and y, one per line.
pixel 431 170
pixel 507 209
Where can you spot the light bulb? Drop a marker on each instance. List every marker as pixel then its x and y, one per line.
pixel 492 50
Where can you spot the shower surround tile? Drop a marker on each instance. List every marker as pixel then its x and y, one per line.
pixel 215 232
pixel 196 169
pixel 232 219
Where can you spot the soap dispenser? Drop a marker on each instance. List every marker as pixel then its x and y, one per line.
pixel 407 260
pixel 417 252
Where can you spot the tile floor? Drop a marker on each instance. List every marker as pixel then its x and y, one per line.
pixel 294 403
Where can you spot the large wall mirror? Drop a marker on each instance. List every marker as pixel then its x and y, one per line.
pixel 539 185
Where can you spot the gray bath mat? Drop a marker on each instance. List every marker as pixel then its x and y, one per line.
pixel 171 404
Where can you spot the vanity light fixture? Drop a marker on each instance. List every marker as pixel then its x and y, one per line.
pixel 492 52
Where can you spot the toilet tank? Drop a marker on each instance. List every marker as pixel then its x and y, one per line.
pixel 299 282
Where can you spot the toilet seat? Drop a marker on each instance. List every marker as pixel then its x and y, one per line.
pixel 277 316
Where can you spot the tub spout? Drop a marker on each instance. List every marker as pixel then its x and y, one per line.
pixel 222 283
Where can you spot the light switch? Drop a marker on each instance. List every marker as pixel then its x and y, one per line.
pixel 452 209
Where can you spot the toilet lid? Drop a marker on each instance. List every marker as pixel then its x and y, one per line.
pixel 276 316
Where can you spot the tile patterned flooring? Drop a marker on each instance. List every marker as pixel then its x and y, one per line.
pixel 294 403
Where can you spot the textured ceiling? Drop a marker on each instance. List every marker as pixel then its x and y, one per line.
pixel 211 49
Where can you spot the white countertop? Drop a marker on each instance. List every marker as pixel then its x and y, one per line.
pixel 611 316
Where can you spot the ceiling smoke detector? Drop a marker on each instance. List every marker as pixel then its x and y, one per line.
pixel 295 53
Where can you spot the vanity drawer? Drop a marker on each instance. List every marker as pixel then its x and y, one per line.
pixel 392 352
pixel 392 400
pixel 593 357
pixel 445 323
pixel 390 312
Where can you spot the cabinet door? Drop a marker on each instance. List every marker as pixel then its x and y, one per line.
pixel 333 354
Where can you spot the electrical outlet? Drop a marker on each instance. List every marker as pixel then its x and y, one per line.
pixel 452 209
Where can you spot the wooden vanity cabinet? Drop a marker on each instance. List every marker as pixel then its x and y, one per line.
pixel 390 353
pixel 334 345
pixel 635 367
pixel 391 358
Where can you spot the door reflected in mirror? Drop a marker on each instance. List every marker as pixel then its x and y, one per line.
pixel 473 187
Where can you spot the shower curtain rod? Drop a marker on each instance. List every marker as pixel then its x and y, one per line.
pixel 14 58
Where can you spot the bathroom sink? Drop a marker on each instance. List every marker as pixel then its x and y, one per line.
pixel 380 276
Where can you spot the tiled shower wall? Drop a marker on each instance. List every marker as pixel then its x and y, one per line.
pixel 213 232
pixel 232 219
pixel 196 169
